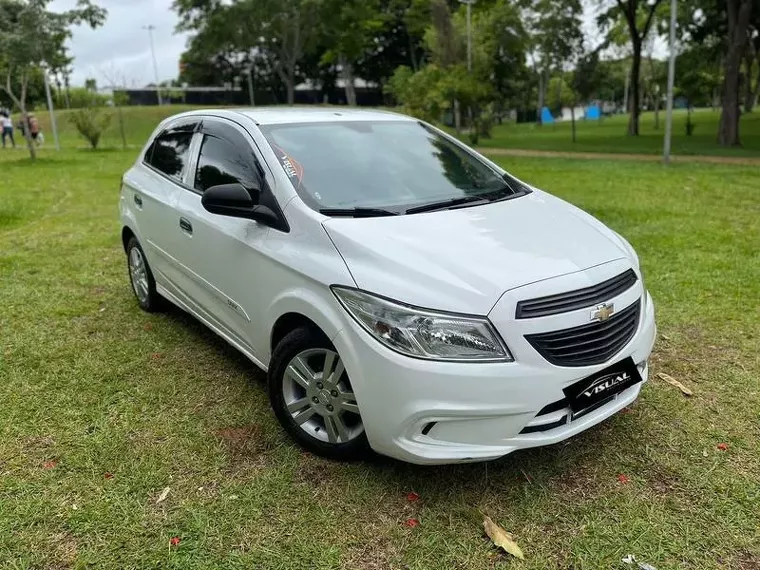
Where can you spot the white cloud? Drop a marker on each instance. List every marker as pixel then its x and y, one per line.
pixel 121 47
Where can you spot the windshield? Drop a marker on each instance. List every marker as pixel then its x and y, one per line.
pixel 388 165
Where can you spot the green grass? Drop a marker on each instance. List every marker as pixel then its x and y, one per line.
pixel 91 383
pixel 609 136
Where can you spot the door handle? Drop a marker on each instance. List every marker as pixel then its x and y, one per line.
pixel 138 200
pixel 185 226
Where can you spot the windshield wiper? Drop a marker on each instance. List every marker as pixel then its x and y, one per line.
pixel 446 204
pixel 357 212
pixel 483 198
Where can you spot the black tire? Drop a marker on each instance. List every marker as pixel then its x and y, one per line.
pixel 153 301
pixel 294 343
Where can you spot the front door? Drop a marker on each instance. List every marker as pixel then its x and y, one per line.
pixel 222 252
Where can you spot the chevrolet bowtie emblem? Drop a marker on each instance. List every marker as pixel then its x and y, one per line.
pixel 602 312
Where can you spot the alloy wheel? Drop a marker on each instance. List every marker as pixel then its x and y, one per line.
pixel 138 274
pixel 319 397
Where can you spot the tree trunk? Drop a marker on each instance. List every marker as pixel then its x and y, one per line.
pixel 572 118
pixel 657 111
pixel 121 127
pixel 738 22
pixel 348 76
pixel 290 85
pixel 750 93
pixel 633 122
pixel 457 117
pixel 539 120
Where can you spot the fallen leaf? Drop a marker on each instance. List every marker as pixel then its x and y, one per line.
pixel 148 327
pixel 673 382
pixel 664 337
pixel 162 496
pixel 631 559
pixel 723 446
pixel 155 355
pixel 412 497
pixel 174 541
pixel 74 507
pixel 108 475
pixel 704 453
pixel 49 464
pixel 623 479
pixel 502 538
pixel 411 523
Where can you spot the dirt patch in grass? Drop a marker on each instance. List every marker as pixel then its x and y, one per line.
pixel 245 444
pixel 378 553
pixel 63 548
pixel 747 561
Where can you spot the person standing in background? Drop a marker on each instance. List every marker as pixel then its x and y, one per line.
pixel 6 127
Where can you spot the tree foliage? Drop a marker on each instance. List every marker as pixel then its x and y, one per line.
pixel 34 37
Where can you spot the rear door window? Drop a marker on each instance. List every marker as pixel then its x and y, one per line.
pixel 170 151
pixel 221 162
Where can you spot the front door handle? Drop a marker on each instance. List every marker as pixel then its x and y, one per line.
pixel 185 225
pixel 138 200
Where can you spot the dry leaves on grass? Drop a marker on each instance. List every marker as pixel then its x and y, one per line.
pixel 673 382
pixel 502 538
pixel 163 495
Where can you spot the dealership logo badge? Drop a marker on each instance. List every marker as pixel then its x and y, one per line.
pixel 606 383
pixel 602 312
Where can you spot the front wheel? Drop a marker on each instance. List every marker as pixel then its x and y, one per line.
pixel 311 395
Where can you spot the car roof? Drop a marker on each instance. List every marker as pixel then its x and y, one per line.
pixel 280 115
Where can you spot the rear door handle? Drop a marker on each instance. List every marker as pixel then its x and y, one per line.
pixel 138 200
pixel 185 225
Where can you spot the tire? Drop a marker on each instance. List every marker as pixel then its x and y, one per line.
pixel 143 284
pixel 300 394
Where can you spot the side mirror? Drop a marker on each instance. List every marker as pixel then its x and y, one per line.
pixel 235 201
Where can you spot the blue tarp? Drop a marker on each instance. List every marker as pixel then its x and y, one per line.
pixel 593 112
pixel 546 116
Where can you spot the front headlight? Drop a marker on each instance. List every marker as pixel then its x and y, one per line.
pixel 421 333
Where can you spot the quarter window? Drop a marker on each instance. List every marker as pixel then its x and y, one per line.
pixel 220 162
pixel 169 153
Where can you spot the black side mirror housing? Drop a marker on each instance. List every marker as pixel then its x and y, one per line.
pixel 236 201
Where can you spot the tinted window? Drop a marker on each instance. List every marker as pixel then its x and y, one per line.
pixel 169 153
pixel 221 162
pixel 377 164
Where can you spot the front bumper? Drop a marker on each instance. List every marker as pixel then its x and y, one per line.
pixel 443 412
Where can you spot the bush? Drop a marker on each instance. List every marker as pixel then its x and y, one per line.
pixel 90 122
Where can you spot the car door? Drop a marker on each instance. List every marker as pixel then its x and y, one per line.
pixel 155 187
pixel 223 253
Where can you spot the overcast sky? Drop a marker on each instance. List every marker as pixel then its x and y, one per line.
pixel 121 49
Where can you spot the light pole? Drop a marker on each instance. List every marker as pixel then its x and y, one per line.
pixel 53 126
pixel 671 81
pixel 150 29
pixel 469 4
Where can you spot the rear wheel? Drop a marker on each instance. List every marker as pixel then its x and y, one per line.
pixel 312 397
pixel 141 277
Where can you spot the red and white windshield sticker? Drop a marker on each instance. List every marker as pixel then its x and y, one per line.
pixel 289 164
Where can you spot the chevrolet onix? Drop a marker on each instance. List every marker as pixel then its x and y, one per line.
pixel 403 292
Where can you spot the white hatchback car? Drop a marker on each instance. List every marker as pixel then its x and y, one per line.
pixel 403 292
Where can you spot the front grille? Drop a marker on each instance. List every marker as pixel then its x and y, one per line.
pixel 578 299
pixel 590 344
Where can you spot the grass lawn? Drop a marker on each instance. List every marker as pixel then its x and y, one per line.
pixel 103 406
pixel 609 135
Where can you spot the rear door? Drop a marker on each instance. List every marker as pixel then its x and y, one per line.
pixel 223 253
pixel 154 189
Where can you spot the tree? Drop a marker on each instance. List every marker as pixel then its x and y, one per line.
pixel 586 81
pixel 32 37
pixel 738 13
pixel 350 27
pixel 638 16
pixel 556 36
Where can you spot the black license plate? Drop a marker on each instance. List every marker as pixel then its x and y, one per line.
pixel 590 392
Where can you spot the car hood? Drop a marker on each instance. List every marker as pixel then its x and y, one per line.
pixel 463 260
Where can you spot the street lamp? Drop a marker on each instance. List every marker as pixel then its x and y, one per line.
pixel 469 4
pixel 150 29
pixel 671 80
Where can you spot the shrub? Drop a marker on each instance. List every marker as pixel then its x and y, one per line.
pixel 90 122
